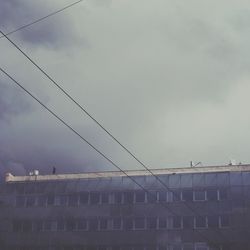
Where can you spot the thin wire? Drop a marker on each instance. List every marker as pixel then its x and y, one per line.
pixel 94 148
pixel 42 18
pixel 100 125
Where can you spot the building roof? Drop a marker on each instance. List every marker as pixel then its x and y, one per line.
pixel 109 174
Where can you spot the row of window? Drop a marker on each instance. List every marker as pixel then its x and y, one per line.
pixel 139 223
pixel 128 197
pixel 185 246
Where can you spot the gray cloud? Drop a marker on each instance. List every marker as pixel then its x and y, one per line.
pixel 54 32
pixel 169 80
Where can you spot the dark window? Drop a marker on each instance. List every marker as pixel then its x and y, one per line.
pixel 162 223
pixel 27 226
pixel 162 196
pixel 82 224
pixel 48 225
pixel 223 194
pixel 93 224
pixel 103 224
pixel 200 222
pixel 128 223
pixel 20 201
pixel 70 225
pixel 152 196
pixel 213 221
pixel 105 198
pixel 41 201
pixel 73 200
pixel 176 222
pixel 51 200
pixel 30 201
pixel 60 225
pixel 140 196
pixel 17 226
pixel 94 198
pixel 38 226
pixel 84 198
pixel 118 198
pixel 117 223
pixel 199 195
pixel 151 223
pixel 187 195
pixel 62 199
pixel 212 194
pixel 128 197
pixel 224 221
pixel 139 223
pixel 176 195
pixel 188 222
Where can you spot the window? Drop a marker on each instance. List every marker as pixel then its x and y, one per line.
pixel 200 222
pixel 128 197
pixel 38 226
pixel 70 225
pixel 162 223
pixel 84 198
pixel 128 223
pixel 104 198
pixel 213 221
pixel 212 194
pixel 176 195
pixel 223 194
pixel 94 198
pixel 73 200
pixel 224 221
pixel 187 195
pixel 103 224
pixel 17 226
pixel 82 224
pixel 60 225
pixel 118 198
pixel 20 201
pixel 30 201
pixel 151 223
pixel 41 201
pixel 117 223
pixel 140 196
pixel 188 222
pixel 93 224
pixel 201 246
pixel 199 195
pixel 162 196
pixel 139 223
pixel 176 222
pixel 27 226
pixel 152 196
pixel 51 200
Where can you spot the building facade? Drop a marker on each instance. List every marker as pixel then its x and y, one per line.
pixel 203 208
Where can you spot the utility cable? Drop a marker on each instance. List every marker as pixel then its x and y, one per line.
pixel 42 18
pixel 91 116
pixel 94 148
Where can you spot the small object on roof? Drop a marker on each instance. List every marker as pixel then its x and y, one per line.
pixel 54 170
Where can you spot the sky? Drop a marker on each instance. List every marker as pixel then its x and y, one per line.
pixel 169 79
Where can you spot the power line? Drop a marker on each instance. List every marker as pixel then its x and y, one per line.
pixel 94 148
pixel 42 18
pixel 95 120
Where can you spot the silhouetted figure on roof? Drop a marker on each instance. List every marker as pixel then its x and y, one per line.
pixel 54 170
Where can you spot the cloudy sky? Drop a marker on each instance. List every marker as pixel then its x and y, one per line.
pixel 169 79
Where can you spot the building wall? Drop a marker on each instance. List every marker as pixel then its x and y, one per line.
pixel 199 211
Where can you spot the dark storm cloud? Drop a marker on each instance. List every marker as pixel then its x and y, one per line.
pixel 11 102
pixel 53 32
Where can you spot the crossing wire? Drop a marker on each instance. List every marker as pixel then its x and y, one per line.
pixel 99 152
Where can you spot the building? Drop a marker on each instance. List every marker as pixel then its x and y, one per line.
pixel 203 208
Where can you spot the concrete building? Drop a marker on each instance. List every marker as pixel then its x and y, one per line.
pixel 202 208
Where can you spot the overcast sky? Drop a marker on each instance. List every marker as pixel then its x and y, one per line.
pixel 169 79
